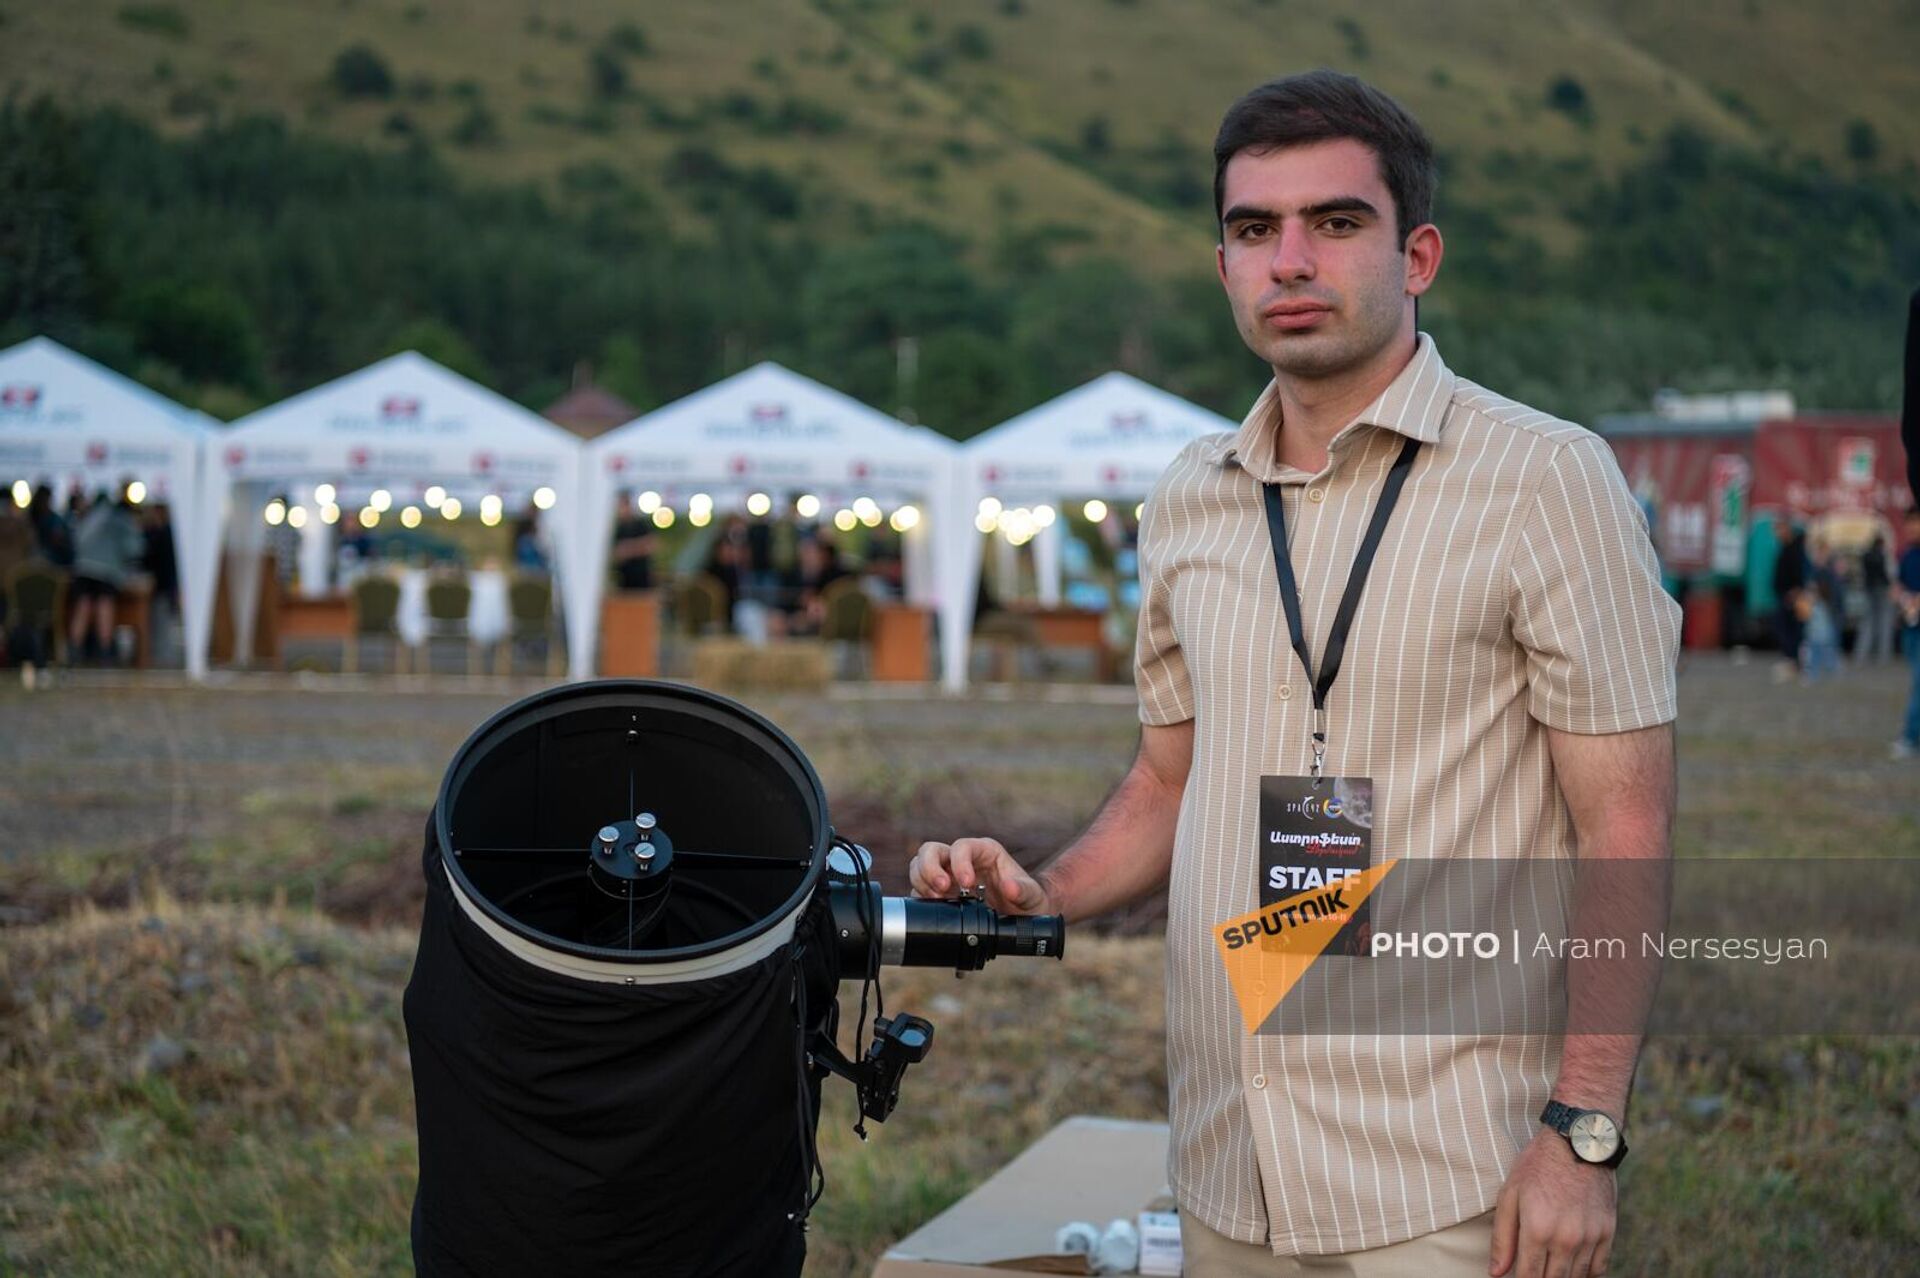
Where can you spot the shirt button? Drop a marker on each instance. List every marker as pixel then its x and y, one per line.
pixel 1285 692
pixel 1316 494
pixel 1260 1081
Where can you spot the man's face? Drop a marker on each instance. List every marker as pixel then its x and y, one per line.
pixel 1311 258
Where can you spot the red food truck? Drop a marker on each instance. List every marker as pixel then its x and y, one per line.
pixel 1711 486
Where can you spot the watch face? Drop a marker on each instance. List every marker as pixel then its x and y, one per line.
pixel 1594 1137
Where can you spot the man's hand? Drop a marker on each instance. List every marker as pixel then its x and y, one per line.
pixel 1555 1215
pixel 946 869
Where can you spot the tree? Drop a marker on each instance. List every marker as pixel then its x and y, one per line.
pixel 201 328
pixel 46 255
pixel 360 72
pixel 1863 141
pixel 606 74
pixel 441 343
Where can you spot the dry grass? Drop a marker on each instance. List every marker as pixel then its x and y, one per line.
pixel 172 849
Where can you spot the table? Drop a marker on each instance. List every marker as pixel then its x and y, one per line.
pixel 900 636
pixel 488 621
pixel 630 634
pixel 1072 628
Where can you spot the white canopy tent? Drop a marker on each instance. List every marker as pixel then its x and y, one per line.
pixel 771 430
pixel 402 421
pixel 65 419
pixel 1111 439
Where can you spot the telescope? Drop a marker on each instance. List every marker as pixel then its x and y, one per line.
pixel 622 1012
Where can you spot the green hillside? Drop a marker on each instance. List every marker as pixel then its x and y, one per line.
pixel 1086 116
pixel 1635 194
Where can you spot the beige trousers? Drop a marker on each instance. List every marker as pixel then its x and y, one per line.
pixel 1461 1251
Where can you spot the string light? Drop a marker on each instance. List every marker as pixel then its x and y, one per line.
pixel 297 517
pixel 410 517
pixel 276 513
pixel 905 518
pixel 381 500
pixel 991 506
pixel 759 504
pixel 663 517
pixel 648 502
pixel 434 496
pixel 1095 511
pixel 330 514
pixel 986 522
pixel 136 492
pixel 450 508
pixel 1140 511
pixel 544 497
pixel 806 506
pixel 369 517
pixel 700 517
pixel 22 493
pixel 325 494
pixel 845 520
pixel 1043 516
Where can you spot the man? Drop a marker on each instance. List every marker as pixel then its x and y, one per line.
pixel 1906 598
pixel 1790 567
pixel 1507 683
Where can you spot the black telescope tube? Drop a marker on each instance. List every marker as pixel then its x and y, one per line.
pixel 961 935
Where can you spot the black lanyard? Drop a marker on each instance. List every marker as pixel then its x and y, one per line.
pixel 1349 602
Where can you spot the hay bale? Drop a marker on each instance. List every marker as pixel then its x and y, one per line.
pixel 784 665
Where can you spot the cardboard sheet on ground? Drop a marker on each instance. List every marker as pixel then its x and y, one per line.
pixel 1091 1169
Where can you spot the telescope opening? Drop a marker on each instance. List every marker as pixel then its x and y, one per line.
pixel 641 823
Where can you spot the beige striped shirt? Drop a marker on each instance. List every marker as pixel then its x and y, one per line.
pixel 1515 589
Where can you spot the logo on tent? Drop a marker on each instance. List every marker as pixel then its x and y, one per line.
pixel 1124 422
pixel 19 399
pixel 616 463
pixel 859 470
pixel 236 455
pixel 1110 474
pixel 992 474
pixel 400 408
pixel 767 412
pixel 483 463
pixel 96 453
pixel 358 458
pixel 740 465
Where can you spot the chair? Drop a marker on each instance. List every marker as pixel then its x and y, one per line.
pixel 699 604
pixel 449 600
pixel 376 611
pixel 1005 635
pixel 37 604
pixel 849 617
pixel 530 617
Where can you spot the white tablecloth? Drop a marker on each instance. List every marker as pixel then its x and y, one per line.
pixel 487 617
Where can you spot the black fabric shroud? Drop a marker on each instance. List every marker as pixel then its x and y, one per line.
pixel 577 1127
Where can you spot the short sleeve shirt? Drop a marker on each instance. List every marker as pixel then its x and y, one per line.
pixel 1515 590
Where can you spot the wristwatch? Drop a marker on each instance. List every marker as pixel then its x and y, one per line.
pixel 1595 1136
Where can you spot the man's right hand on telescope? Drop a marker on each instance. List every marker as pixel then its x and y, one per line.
pixel 949 869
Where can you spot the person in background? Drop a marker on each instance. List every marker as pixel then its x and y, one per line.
pixel 52 534
pixel 1822 597
pixel 1906 598
pixel 1789 589
pixel 1876 621
pixel 107 548
pixel 634 543
pixel 16 547
pixel 817 568
pixel 157 559
pixel 528 554
pixel 730 563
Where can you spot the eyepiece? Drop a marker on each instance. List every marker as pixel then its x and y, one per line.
pixel 962 934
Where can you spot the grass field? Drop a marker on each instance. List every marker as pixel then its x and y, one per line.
pixel 208 901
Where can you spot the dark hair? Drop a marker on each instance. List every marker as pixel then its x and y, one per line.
pixel 1323 106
